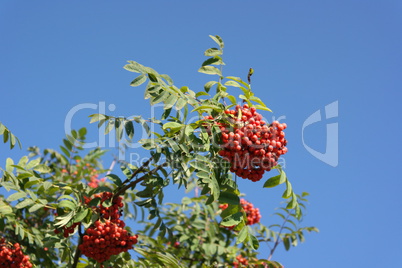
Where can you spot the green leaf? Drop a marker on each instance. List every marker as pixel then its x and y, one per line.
pixel 68 144
pixel 208 85
pixel 134 67
pixel 82 132
pixel 232 99
pixel 243 235
pixel 42 168
pixel 115 179
pixel 97 117
pixel 260 107
pixel 65 151
pixel 238 79
pixel 210 70
pixel 288 192
pixel 254 242
pixel 200 166
pixel 218 40
pixel 129 127
pixel 201 93
pixel 33 163
pixel 67 204
pixel 16 196
pixel 5 208
pixel 81 215
pixel 293 202
pixel 139 80
pixel 229 198
pixel 173 145
pixel 64 219
pixel 9 165
pixel 213 61
pixel 174 126
pixel 5 136
pixel 180 103
pixel 35 207
pixel 207 107
pixel 212 52
pixel 233 219
pixel 167 78
pixel 286 242
pixel 232 83
pixel 24 203
pixel 276 180
pixel 2 128
pixel 143 202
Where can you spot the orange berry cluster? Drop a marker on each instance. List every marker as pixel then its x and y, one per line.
pixel 11 256
pixel 107 236
pixel 252 213
pixel 249 144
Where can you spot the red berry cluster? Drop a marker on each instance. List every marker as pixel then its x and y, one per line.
pixel 240 262
pixel 113 212
pixel 107 236
pixel 104 239
pixel 249 144
pixel 11 256
pixel 253 214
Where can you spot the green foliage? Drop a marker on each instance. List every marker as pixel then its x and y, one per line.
pixel 51 191
pixel 9 137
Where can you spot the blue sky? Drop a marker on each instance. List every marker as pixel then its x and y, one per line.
pixel 306 55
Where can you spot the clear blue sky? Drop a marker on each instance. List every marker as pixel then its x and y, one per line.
pixel 55 55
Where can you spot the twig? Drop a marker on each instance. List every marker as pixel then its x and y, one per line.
pixel 77 254
pixel 277 239
pixel 124 188
pixel 111 167
pixel 139 170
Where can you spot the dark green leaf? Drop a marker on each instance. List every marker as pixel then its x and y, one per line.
pixel 213 61
pixel 254 242
pixel 229 198
pixel 129 127
pixel 286 243
pixel 233 219
pixel 139 80
pixel 115 179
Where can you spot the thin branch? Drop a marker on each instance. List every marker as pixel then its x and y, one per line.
pixel 139 170
pixel 111 167
pixel 78 253
pixel 124 188
pixel 277 239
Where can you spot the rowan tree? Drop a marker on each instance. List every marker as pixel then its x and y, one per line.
pixel 64 209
